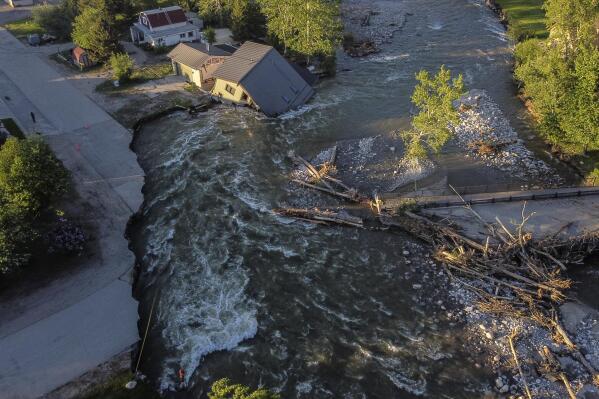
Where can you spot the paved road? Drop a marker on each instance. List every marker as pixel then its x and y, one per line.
pixel 76 322
pixel 567 216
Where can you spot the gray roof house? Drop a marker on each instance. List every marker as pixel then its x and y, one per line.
pixel 258 76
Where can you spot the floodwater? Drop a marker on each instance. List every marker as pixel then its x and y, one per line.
pixel 313 312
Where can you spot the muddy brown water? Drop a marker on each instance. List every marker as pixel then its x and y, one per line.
pixel 313 312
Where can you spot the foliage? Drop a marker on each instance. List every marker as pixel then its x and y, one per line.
pixel 122 66
pixel 53 20
pixel 434 97
pixel 210 34
pixel 225 389
pixel 30 175
pixel 30 179
pixel 246 20
pixel 24 27
pixel 307 27
pixel 561 76
pixel 138 76
pixel 214 11
pixel 94 30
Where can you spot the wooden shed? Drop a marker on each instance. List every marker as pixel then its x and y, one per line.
pixel 81 58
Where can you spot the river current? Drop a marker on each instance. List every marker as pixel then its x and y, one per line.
pixel 313 312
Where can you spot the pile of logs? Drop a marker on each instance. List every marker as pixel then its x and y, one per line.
pixel 509 272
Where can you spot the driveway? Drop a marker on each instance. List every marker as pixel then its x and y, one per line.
pixel 77 321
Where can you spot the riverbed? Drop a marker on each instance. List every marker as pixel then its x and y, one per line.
pixel 312 312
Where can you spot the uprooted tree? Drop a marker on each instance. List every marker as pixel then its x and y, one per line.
pixel 433 96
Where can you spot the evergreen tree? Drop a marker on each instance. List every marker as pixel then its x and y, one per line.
pixel 307 27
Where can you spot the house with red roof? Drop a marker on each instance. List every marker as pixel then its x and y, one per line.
pixel 164 27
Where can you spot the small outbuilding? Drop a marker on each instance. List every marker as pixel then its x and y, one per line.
pixel 81 58
pixel 258 76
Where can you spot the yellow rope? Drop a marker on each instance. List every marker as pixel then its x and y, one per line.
pixel 143 342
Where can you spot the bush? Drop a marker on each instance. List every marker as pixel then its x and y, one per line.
pixel 122 66
pixel 31 178
pixel 53 20
pixel 225 389
pixel 210 34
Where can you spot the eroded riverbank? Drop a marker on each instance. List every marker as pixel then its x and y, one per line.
pixel 311 312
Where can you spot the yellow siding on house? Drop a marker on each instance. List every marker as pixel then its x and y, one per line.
pixel 240 96
pixel 190 74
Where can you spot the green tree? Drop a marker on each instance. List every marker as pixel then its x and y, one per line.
pixel 122 66
pixel 434 97
pixel 308 27
pixel 53 19
pixel 210 34
pixel 215 11
pixel 246 20
pixel 30 175
pixel 570 21
pixel 31 178
pixel 225 389
pixel 95 30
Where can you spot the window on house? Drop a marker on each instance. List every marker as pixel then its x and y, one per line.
pixel 230 89
pixel 189 34
pixel 182 35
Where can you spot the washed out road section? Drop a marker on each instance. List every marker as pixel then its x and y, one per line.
pixel 55 333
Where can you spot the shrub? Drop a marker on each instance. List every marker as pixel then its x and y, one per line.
pixel 53 20
pixel 225 389
pixel 122 66
pixel 210 34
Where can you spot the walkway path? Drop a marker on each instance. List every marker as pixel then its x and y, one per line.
pixel 76 322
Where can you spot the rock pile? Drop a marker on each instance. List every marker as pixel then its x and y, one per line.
pixel 373 21
pixel 484 132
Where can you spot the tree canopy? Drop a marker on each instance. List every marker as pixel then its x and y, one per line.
pixel 433 96
pixel 307 27
pixel 30 179
pixel 561 75
pixel 94 29
pixel 225 389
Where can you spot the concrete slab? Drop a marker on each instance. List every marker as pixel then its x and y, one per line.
pixel 567 216
pixel 25 373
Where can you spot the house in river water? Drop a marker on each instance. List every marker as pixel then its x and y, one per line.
pixel 164 27
pixel 198 61
pixel 258 76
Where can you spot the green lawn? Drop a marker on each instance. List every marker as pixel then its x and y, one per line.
pixel 115 389
pixel 526 18
pixel 23 27
pixel 139 75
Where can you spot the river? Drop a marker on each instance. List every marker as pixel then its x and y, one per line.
pixel 313 312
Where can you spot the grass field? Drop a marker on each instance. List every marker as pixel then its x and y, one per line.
pixel 23 27
pixel 526 18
